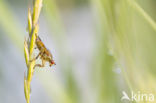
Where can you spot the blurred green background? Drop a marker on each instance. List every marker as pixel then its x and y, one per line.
pixel 101 48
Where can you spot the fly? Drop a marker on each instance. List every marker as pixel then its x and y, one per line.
pixel 44 54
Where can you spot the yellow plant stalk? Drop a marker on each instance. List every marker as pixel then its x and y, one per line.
pixel 30 44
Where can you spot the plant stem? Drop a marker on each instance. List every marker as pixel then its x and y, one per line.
pixel 29 45
pixel 143 13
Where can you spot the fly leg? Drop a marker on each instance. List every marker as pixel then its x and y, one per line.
pixel 40 65
pixel 36 57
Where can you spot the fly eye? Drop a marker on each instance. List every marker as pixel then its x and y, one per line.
pixel 52 62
